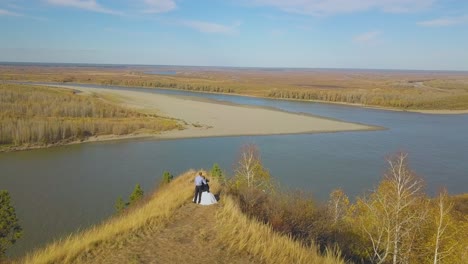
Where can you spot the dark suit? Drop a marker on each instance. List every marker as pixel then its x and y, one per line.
pixel 198 192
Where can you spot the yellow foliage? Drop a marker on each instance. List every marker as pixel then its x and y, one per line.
pixel 33 115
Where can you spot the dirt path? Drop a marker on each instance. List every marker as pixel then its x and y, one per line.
pixel 189 238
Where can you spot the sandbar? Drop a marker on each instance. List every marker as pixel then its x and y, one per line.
pixel 210 118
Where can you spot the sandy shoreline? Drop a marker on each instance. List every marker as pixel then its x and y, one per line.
pixel 206 118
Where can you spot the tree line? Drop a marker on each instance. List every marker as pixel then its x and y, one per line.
pixel 171 85
pixel 402 99
pixel 32 115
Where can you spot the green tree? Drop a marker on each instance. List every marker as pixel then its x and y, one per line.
pixel 136 195
pixel 120 205
pixel 167 177
pixel 10 230
pixel 216 172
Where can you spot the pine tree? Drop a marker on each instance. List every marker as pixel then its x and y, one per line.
pixel 10 230
pixel 136 195
pixel 216 172
pixel 120 205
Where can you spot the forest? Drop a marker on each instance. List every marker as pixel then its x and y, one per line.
pixel 39 116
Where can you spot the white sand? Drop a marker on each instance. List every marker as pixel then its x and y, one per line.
pixel 205 118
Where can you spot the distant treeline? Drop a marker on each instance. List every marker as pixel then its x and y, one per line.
pixel 404 99
pixel 40 116
pixel 171 85
pixel 401 98
pixel 413 92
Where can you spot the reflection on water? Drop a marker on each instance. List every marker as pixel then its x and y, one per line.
pixel 59 190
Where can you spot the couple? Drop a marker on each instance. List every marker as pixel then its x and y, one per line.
pixel 202 191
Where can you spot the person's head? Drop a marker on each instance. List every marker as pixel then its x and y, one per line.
pixel 200 173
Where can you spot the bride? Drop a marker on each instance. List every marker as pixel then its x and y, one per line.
pixel 207 198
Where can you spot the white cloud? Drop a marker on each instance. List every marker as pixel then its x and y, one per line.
pixel 331 7
pixel 90 5
pixel 208 27
pixel 368 38
pixel 4 12
pixel 444 22
pixel 159 6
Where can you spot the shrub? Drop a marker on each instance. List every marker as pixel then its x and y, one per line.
pixel 167 177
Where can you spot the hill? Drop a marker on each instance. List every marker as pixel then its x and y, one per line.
pixel 168 228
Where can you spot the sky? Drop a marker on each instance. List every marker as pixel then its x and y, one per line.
pixel 366 34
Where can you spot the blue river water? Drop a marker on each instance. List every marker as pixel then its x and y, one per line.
pixel 60 190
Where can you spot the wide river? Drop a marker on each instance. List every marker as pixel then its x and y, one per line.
pixel 61 190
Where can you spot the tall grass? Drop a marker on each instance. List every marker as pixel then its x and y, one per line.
pixel 153 214
pixel 241 233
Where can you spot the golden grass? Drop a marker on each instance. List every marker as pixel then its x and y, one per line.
pixel 155 213
pixel 241 233
pixel 235 231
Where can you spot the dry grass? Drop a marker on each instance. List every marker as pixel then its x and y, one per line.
pixel 155 213
pixel 241 233
pixel 168 228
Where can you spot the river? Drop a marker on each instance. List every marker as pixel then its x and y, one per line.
pixel 60 190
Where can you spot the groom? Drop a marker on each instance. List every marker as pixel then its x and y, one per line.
pixel 199 181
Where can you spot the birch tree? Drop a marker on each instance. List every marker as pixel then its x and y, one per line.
pixel 338 205
pixel 393 213
pixel 250 170
pixel 444 241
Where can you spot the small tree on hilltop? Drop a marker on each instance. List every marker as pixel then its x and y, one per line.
pixel 167 177
pixel 10 230
pixel 120 205
pixel 136 195
pixel 216 172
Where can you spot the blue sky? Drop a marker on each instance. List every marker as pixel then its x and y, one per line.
pixel 382 34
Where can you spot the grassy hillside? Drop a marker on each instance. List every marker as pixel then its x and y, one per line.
pixel 168 228
pixel 256 222
pixel 40 116
pixel 401 90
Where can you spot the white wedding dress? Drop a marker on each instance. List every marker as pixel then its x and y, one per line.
pixel 208 198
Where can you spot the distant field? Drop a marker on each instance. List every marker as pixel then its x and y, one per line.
pixel 411 90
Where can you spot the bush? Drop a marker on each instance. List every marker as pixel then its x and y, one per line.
pixel 167 177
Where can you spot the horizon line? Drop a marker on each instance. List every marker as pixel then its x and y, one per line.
pixel 31 63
